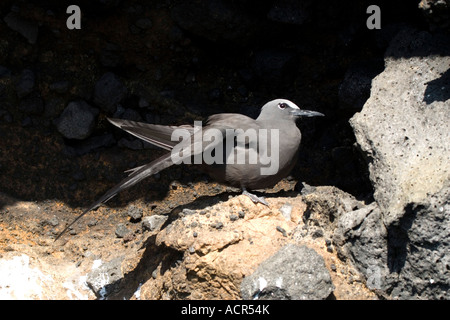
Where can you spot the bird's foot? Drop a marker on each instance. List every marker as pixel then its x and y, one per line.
pixel 255 198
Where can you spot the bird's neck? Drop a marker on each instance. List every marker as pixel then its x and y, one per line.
pixel 270 123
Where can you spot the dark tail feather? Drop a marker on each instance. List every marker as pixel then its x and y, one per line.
pixel 136 176
pixel 156 134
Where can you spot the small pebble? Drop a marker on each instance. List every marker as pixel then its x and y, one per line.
pixel 187 211
pixel 121 231
pixel 128 237
pixel 54 221
pixel 318 233
pixel 134 213
pixel 328 244
pixel 283 232
pixel 286 210
pixel 218 225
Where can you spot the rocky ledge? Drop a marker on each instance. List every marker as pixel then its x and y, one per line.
pixel 214 248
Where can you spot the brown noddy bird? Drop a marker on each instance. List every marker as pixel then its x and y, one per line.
pixel 232 148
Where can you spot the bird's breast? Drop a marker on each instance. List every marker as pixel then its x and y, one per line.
pixel 262 164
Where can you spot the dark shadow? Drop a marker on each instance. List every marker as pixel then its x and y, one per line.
pixel 198 204
pixel 410 42
pixel 398 240
pixel 155 261
pixel 35 166
pixel 331 297
pixel 438 89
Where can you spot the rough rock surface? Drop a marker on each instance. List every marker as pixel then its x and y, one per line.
pixel 419 249
pixel 108 92
pixel 28 29
pixel 26 83
pixel 361 237
pixel 219 251
pixel 294 272
pixel 77 121
pixel 402 132
pixel 406 146
pixel 104 277
pixel 203 251
pixel 437 13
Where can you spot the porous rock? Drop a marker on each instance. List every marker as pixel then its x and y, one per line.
pixel 402 133
pixel 103 280
pixel 77 121
pixel 294 272
pixel 26 28
pixel 108 92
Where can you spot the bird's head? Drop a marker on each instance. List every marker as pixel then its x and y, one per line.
pixel 284 109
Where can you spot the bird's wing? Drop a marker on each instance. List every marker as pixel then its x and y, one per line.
pixel 137 175
pixel 158 135
pixel 232 121
pixel 239 124
pixel 161 136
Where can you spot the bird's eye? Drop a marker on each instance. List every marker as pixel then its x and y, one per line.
pixel 282 105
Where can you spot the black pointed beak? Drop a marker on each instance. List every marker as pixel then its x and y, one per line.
pixel 306 113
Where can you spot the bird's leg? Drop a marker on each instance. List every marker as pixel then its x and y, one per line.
pixel 254 198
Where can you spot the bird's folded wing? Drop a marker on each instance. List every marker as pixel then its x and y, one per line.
pixel 231 121
pixel 158 135
pixel 232 125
